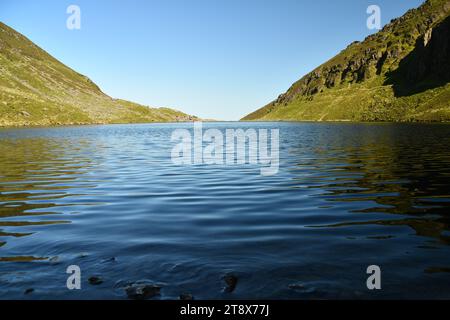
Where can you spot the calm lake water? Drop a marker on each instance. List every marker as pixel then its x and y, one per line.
pixel 110 200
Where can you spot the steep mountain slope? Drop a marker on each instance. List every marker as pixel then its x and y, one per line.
pixel 401 73
pixel 37 89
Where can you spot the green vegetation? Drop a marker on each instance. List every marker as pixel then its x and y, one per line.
pixel 402 73
pixel 36 89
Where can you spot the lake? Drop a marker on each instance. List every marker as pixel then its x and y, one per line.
pixel 110 200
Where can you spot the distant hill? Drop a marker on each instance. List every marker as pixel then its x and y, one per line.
pixel 37 89
pixel 401 73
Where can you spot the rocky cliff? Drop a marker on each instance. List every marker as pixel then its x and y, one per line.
pixel 398 74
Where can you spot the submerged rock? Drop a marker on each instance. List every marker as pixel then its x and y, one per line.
pixel 112 259
pixel 54 260
pixel 296 286
pixel 29 290
pixel 303 288
pixel 186 296
pixel 437 270
pixel 142 291
pixel 94 280
pixel 231 282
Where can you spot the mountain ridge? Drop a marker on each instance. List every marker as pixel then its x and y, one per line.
pixel 37 89
pixel 372 81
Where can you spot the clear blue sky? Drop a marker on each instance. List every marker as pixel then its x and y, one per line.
pixel 216 59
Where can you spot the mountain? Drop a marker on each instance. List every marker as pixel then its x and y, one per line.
pixel 37 89
pixel 401 73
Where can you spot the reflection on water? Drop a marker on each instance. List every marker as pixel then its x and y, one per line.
pixel 109 199
pixel 402 172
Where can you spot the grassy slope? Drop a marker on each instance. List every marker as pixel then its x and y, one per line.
pixel 36 89
pixel 358 89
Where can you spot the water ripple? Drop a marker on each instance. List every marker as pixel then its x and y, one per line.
pixel 109 199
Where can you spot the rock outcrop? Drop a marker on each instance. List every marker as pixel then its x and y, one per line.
pixel 412 48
